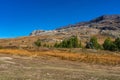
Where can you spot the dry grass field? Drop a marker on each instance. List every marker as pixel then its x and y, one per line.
pixel 80 55
pixel 59 64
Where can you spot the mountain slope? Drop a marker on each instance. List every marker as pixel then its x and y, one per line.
pixel 104 25
pixel 101 27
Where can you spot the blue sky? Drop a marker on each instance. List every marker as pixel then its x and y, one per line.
pixel 20 17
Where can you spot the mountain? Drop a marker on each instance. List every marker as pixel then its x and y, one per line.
pixel 101 27
pixel 107 25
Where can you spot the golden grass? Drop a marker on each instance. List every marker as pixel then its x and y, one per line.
pixel 15 52
pixel 95 58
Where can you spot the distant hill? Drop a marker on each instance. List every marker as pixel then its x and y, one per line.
pixel 107 25
pixel 101 27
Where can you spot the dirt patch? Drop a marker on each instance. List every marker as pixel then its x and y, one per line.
pixel 51 68
pixel 5 58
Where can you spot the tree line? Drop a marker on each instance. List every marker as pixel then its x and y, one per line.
pixel 74 42
pixel 107 45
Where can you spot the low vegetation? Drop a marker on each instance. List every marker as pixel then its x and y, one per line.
pixel 65 54
pixel 72 49
pixel 112 45
pixel 93 44
pixel 72 42
pixel 38 43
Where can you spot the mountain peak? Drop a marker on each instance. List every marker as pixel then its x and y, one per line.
pixel 106 17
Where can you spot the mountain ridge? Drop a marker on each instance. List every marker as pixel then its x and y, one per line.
pixel 104 25
pixel 99 27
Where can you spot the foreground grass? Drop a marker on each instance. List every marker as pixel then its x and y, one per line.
pixel 81 56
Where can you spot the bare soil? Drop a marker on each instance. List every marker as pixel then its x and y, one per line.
pixel 13 67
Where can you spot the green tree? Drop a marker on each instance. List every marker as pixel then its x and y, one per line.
pixel 109 45
pixel 117 43
pixel 75 42
pixel 64 44
pixel 56 45
pixel 38 43
pixel 93 44
pixel 72 42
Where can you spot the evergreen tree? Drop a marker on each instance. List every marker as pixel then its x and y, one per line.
pixel 38 43
pixel 93 44
pixel 72 42
pixel 117 43
pixel 56 45
pixel 109 45
pixel 75 42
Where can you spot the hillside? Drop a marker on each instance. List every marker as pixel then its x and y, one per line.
pixel 101 27
pixel 104 25
pixel 21 59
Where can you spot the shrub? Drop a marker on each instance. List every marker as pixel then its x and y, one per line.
pixel 93 44
pixel 56 45
pixel 38 43
pixel 72 42
pixel 117 43
pixel 109 45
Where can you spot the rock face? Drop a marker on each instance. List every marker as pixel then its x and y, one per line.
pixel 104 25
pixel 37 32
pixel 107 22
pixel 107 17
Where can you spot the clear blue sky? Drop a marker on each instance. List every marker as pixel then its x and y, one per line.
pixel 20 17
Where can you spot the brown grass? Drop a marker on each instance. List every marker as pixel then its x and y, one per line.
pixel 15 52
pixel 89 57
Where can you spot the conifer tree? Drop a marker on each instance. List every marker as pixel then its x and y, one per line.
pixel 117 43
pixel 72 42
pixel 109 45
pixel 93 44
pixel 38 43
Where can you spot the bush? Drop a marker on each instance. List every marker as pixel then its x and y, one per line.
pixel 38 43
pixel 72 42
pixel 109 45
pixel 117 43
pixel 93 44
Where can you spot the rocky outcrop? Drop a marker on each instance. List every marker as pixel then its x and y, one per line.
pixel 104 25
pixel 36 32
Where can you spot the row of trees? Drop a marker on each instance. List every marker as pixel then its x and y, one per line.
pixel 112 45
pixel 74 42
pixel 107 45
